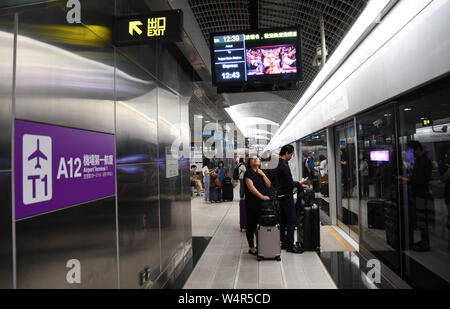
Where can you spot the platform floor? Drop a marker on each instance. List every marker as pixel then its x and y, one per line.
pixel 225 264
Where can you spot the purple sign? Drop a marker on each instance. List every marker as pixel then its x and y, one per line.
pixel 57 167
pixel 379 156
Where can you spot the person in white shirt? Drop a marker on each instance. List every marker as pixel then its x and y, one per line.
pixel 206 179
pixel 323 168
pixel 364 175
pixel 242 169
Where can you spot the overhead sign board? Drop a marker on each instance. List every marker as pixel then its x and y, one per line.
pixel 163 26
pixel 58 167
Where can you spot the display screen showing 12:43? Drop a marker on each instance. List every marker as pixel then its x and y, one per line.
pixel 231 75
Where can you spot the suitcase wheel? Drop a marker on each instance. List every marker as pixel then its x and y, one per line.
pixel 259 259
pixel 278 258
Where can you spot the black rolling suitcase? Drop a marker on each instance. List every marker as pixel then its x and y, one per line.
pixel 325 190
pixel 311 229
pixel 308 221
pixel 375 214
pixel 227 190
pixel 214 194
pixel 391 224
pixel 316 185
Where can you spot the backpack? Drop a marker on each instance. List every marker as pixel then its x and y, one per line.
pixel 236 172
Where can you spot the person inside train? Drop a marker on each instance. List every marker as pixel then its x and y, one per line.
pixel 418 185
pixel 286 185
pixel 256 190
pixel 195 181
pixel 310 165
pixel 345 174
pixel 363 175
pixel 444 171
pixel 323 168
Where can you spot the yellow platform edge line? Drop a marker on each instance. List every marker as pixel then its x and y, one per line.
pixel 339 238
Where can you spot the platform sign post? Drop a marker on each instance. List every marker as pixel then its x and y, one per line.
pixel 163 26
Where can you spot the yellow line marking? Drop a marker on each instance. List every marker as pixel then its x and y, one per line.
pixel 339 238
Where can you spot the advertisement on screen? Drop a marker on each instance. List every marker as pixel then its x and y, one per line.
pixel 259 56
pixel 379 156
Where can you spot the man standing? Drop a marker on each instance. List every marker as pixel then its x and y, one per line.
pixel 286 185
pixel 311 167
pixel 241 172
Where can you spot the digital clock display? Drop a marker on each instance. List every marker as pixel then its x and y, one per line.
pixel 231 75
pixel 253 56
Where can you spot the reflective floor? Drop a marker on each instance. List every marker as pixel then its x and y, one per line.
pixel 349 271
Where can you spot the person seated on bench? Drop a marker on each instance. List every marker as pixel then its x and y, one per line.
pixel 195 182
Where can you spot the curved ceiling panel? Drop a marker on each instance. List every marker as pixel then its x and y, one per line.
pixel 229 15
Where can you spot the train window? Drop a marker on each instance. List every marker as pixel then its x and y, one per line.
pixel 379 209
pixel 424 182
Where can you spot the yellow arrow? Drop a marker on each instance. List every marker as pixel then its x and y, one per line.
pixel 134 26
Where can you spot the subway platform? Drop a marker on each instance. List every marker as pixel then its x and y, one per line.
pixel 226 264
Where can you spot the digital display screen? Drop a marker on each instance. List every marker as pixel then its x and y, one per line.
pixel 257 56
pixel 379 156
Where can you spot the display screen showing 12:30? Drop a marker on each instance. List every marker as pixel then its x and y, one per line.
pixel 240 58
pixel 229 53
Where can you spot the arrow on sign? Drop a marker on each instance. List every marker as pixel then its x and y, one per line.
pixel 134 26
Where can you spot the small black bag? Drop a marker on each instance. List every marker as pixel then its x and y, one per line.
pixel 309 196
pixel 268 214
pixel 236 172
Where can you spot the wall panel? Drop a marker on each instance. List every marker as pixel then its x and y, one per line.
pixel 138 209
pixel 6 262
pixel 86 232
pixel 6 83
pixel 63 81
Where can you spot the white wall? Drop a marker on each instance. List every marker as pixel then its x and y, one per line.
pixel 409 47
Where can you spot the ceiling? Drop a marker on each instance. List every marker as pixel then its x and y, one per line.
pixel 229 15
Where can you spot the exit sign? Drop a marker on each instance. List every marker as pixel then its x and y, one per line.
pixel 163 26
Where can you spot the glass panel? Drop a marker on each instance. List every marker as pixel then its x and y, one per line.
pixel 346 180
pixel 377 168
pixel 424 180
pixel 315 159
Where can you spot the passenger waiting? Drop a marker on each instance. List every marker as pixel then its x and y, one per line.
pixel 419 189
pixel 288 215
pixel 323 169
pixel 256 191
pixel 363 176
pixel 221 171
pixel 310 165
pixel 195 182
pixel 241 168
pixel 206 179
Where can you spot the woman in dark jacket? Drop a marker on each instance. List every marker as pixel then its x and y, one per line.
pixel 256 191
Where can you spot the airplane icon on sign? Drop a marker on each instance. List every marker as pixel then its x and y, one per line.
pixel 37 155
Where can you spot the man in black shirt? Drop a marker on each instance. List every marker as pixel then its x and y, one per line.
pixel 419 189
pixel 286 185
pixel 444 171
